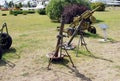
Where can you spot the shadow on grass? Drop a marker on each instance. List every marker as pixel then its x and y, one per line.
pixel 87 34
pixel 55 21
pixel 98 21
pixel 78 74
pixel 74 71
pixel 4 62
pixel 6 55
pixel 11 50
pixel 89 54
pixel 63 61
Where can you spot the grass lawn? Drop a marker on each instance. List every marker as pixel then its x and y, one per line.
pixel 30 32
pixel 111 17
pixel 34 36
pixel 34 31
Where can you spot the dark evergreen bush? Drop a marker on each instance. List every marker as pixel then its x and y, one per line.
pixel 4 14
pixel 72 10
pixel 41 11
pixel 96 4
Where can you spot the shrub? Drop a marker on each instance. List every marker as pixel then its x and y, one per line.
pixel 24 12
pixel 73 10
pixel 41 11
pixel 10 12
pixel 96 4
pixel 16 12
pixel 55 8
pixel 31 11
pixel 4 14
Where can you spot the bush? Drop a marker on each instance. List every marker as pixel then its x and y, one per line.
pixel 15 12
pixel 4 14
pixel 96 4
pixel 55 8
pixel 10 12
pixel 41 11
pixel 24 12
pixel 18 11
pixel 30 11
pixel 72 10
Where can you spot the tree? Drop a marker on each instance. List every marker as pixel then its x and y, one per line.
pixel 55 8
pixel 72 10
pixel 96 4
pixel 29 5
pixel 20 5
pixel 11 4
pixel 6 4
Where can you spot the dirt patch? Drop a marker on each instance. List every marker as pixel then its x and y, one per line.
pixel 101 65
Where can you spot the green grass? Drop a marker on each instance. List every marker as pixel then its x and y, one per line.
pixel 36 34
pixel 111 17
pixel 29 32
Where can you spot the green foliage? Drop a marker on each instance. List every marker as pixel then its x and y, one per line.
pixel 28 4
pixel 10 12
pixel 24 12
pixel 17 6
pixel 20 5
pixel 55 8
pixel 30 11
pixel 15 12
pixel 11 4
pixel 41 11
pixel 96 4
pixel 84 3
pixel 4 14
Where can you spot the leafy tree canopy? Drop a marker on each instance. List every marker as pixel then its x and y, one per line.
pixel 55 8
